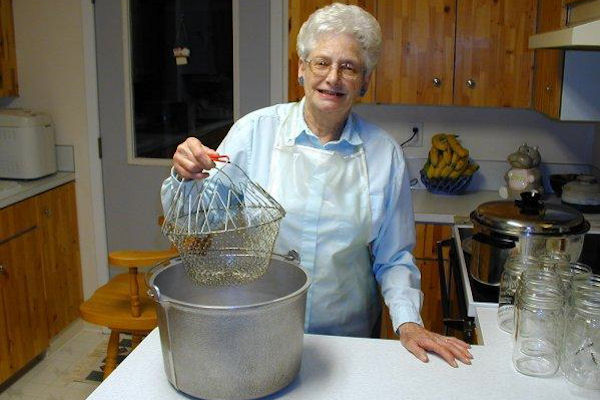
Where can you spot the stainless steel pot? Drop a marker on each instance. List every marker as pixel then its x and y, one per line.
pixel 231 342
pixel 526 226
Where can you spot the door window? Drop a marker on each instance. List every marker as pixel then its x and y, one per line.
pixel 181 61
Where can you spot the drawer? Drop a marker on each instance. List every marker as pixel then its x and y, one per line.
pixel 17 218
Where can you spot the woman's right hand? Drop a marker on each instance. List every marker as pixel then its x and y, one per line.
pixel 192 158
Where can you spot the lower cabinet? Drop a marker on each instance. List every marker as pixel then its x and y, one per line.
pixel 40 275
pixel 61 261
pixel 425 253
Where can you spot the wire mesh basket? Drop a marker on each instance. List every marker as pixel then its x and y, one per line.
pixel 224 227
pixel 446 185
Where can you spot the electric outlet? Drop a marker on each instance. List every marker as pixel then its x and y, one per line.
pixel 417 140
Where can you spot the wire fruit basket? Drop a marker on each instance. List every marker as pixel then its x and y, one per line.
pixel 446 185
pixel 224 227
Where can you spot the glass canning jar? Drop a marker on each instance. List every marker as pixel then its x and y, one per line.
pixel 511 275
pixel 570 271
pixel 580 352
pixel 538 316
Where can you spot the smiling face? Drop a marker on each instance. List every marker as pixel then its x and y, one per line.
pixel 332 95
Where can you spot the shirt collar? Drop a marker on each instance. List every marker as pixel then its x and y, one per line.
pixel 349 133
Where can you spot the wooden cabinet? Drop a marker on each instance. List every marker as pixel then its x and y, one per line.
pixel 23 324
pixel 548 72
pixel 417 56
pixel 40 274
pixel 8 59
pixel 461 52
pixel 61 260
pixel 425 253
pixel 493 64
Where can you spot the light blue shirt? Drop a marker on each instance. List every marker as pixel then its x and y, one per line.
pixel 249 144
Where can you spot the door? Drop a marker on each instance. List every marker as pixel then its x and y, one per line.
pixel 22 305
pixel 417 58
pixel 493 61
pixel 131 190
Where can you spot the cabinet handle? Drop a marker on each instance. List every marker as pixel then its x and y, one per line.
pixel 2 271
pixel 548 88
pixel 437 82
pixel 47 212
pixel 471 83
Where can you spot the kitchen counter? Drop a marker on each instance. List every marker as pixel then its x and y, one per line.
pixel 346 368
pixel 447 209
pixel 13 191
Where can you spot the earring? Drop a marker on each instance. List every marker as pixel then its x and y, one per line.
pixel 363 91
pixel 301 80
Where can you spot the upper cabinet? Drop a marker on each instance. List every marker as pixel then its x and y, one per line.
pixel 494 65
pixel 442 52
pixel 417 58
pixel 547 78
pixel 8 59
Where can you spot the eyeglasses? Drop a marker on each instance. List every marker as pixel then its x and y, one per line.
pixel 321 68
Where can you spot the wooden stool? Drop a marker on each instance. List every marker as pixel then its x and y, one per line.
pixel 120 305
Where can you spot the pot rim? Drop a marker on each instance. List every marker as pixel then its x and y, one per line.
pixel 160 298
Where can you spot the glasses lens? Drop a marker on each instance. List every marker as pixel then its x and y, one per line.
pixel 321 67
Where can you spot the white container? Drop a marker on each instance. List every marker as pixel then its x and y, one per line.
pixel 27 148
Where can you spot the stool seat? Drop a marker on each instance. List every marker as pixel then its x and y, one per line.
pixel 110 306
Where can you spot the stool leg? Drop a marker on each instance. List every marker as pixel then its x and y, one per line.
pixel 135 340
pixel 111 353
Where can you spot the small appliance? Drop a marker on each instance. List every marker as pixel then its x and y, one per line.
pixel 27 148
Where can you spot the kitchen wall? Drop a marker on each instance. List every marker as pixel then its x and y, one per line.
pixel 52 59
pixel 51 71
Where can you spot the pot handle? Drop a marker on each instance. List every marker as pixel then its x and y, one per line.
pixel 494 241
pixel 153 290
pixel 291 255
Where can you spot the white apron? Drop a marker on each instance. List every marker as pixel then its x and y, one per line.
pixel 328 221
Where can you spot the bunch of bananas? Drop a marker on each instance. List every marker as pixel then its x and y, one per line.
pixel 448 159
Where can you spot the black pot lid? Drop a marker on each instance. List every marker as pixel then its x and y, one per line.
pixel 530 215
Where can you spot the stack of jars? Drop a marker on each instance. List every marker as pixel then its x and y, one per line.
pixel 552 308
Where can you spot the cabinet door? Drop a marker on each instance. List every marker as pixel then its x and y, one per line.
pixel 23 325
pixel 548 71
pixel 62 266
pixel 425 252
pixel 8 58
pixel 299 11
pixel 493 62
pixel 417 57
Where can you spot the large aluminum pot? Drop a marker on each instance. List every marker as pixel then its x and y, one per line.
pixel 527 226
pixel 231 342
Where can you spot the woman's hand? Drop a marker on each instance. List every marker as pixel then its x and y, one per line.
pixel 419 340
pixel 192 158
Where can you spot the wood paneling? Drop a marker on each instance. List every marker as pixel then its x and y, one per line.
pixel 8 60
pixel 23 327
pixel 299 11
pixel 492 50
pixel 425 252
pixel 418 46
pixel 548 72
pixel 61 260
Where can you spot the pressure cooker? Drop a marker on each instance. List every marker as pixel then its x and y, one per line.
pixel 526 226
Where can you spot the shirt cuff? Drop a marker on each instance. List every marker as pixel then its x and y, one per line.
pixel 404 315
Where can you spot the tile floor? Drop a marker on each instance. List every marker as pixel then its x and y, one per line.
pixel 60 375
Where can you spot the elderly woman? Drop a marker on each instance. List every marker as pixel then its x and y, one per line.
pixel 343 183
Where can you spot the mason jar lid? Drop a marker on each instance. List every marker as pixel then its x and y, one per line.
pixel 530 215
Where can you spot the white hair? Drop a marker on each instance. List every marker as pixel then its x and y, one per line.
pixel 340 18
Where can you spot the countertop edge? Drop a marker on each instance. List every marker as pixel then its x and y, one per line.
pixel 32 188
